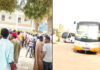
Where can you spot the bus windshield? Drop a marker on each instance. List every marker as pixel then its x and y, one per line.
pixel 87 32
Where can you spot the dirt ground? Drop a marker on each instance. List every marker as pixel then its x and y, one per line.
pixel 64 58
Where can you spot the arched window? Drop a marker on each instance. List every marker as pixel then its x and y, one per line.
pixel 19 20
pixel 3 18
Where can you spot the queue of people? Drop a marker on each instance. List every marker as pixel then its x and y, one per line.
pixel 10 45
pixel 38 47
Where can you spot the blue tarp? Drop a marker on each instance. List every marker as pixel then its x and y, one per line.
pixel 43 27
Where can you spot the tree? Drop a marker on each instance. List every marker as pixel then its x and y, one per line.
pixel 58 33
pixel 37 10
pixel 8 5
pixel 50 19
pixel 50 25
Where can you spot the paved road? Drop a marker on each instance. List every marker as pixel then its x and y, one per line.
pixel 65 59
pixel 23 62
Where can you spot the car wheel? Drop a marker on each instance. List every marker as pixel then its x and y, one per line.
pixel 64 41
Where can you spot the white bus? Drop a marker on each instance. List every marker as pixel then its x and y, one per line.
pixel 87 36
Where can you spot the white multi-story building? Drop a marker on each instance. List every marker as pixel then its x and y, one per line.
pixel 15 20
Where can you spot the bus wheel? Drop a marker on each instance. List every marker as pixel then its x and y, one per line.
pixel 94 52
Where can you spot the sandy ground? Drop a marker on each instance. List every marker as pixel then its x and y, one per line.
pixel 65 59
pixel 23 62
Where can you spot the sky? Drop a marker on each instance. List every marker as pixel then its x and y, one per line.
pixel 65 12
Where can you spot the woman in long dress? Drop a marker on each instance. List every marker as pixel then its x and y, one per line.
pixel 38 64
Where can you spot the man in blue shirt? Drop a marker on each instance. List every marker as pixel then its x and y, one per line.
pixel 35 37
pixel 6 51
pixel 34 43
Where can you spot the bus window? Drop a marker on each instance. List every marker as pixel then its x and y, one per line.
pixel 87 33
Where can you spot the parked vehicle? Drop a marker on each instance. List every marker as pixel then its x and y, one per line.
pixel 68 37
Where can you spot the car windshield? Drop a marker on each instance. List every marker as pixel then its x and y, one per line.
pixel 65 35
pixel 87 32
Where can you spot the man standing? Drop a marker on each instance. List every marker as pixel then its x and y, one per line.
pixel 34 43
pixel 47 54
pixel 21 36
pixel 6 51
pixel 17 46
pixel 38 64
pixel 30 46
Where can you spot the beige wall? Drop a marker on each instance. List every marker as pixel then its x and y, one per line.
pixel 24 27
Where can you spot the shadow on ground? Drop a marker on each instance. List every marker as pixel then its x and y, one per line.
pixel 86 52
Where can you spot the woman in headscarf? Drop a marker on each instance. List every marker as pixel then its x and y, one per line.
pixel 38 64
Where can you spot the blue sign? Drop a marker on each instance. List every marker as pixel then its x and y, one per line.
pixel 43 27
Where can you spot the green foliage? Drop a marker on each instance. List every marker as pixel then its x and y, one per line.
pixel 8 5
pixel 37 9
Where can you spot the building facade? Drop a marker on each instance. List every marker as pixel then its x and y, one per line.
pixel 15 20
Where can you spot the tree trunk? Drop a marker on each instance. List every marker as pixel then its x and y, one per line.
pixel 32 25
pixel 50 25
pixel 36 26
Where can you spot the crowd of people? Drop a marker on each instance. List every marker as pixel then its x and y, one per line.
pixel 39 47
